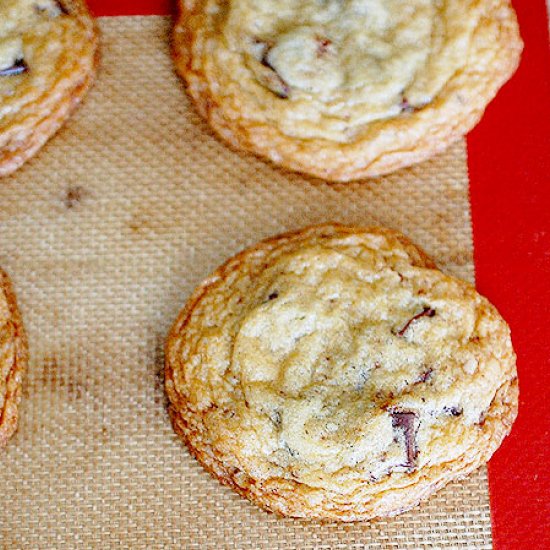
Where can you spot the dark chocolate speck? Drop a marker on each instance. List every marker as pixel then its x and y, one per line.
pixel 453 411
pixel 424 376
pixel 19 67
pixel 404 421
pixel 426 312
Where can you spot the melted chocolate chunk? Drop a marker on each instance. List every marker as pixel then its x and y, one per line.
pixel 453 411
pixel 404 421
pixel 276 419
pixel 292 452
pixel 426 312
pixel 272 80
pixel 482 418
pixel 406 107
pixel 61 7
pixel 54 11
pixel 425 376
pixel 265 72
pixel 273 295
pixel 323 45
pixel 19 67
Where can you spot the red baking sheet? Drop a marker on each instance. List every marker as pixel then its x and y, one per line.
pixel 509 164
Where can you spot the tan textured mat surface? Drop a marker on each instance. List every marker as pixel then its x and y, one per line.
pixel 105 233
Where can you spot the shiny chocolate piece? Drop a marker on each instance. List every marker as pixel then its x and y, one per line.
pixel 426 312
pixel 453 411
pixel 271 79
pixel 404 421
pixel 19 67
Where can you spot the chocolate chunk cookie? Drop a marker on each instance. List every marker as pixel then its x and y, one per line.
pixel 344 89
pixel 336 373
pixel 13 359
pixel 48 54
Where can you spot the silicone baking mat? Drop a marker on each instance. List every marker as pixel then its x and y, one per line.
pixel 105 233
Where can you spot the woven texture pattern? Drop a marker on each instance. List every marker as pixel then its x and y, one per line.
pixel 105 234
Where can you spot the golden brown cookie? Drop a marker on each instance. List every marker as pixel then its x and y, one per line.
pixel 13 359
pixel 344 89
pixel 336 373
pixel 48 56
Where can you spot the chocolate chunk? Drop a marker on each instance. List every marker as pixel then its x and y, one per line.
pixel 406 107
pixel 426 312
pixel 453 411
pixel 276 419
pixel 323 46
pixel 271 79
pixel 61 7
pixel 273 295
pixel 482 418
pixel 425 376
pixel 19 67
pixel 404 421
pixel 292 452
pixel 54 11
pixel 265 72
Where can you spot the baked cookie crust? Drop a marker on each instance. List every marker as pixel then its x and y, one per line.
pixel 13 359
pixel 344 90
pixel 48 58
pixel 334 373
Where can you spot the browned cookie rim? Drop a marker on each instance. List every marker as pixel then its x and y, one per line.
pixel 498 418
pixel 413 142
pixel 9 412
pixel 61 110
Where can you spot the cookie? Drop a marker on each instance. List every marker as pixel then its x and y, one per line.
pixel 13 359
pixel 48 55
pixel 344 89
pixel 336 373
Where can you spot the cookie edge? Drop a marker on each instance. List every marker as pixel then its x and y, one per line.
pixel 10 412
pixel 505 401
pixel 299 155
pixel 39 134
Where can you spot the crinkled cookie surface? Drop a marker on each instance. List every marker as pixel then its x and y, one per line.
pixel 13 359
pixel 48 53
pixel 344 89
pixel 335 373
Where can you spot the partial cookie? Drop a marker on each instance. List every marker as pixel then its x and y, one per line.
pixel 48 56
pixel 336 373
pixel 344 89
pixel 13 359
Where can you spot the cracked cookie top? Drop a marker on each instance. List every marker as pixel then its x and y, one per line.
pixel 47 57
pixel 330 74
pixel 352 61
pixel 341 361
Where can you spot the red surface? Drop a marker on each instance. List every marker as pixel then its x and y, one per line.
pixel 131 7
pixel 509 164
